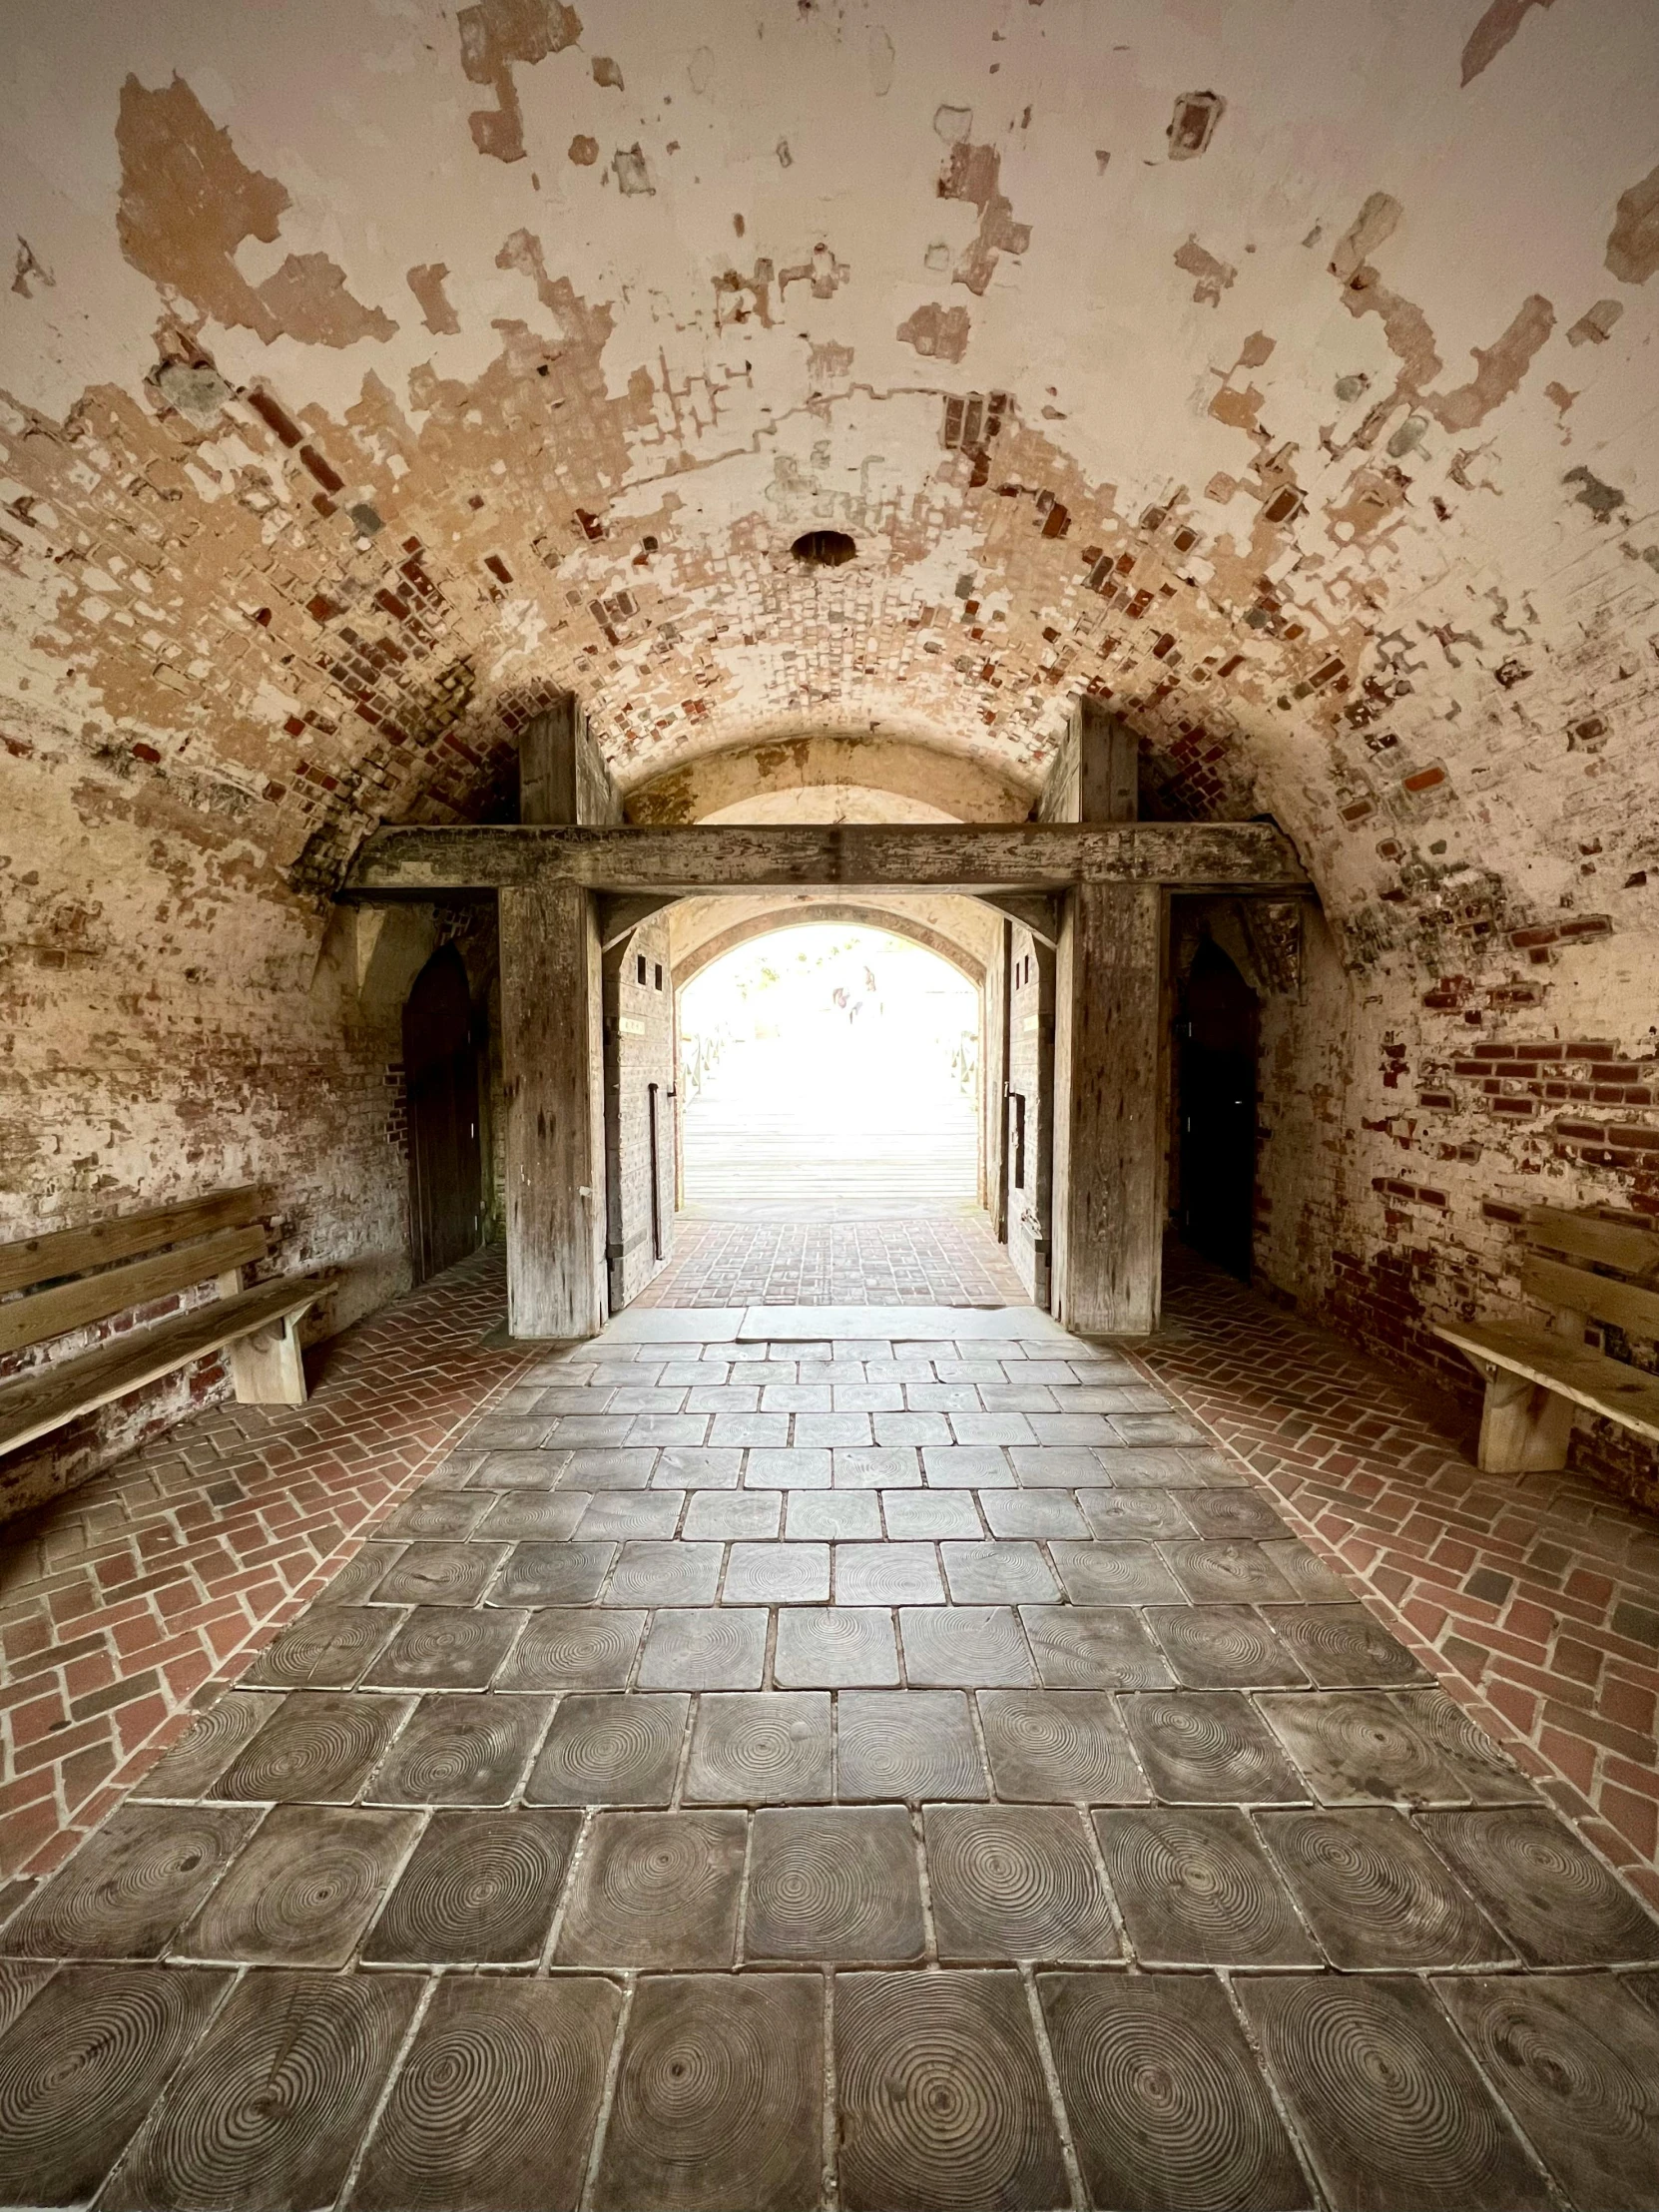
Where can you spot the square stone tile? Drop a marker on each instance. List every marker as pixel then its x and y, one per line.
pixel 967 1467
pixel 719 2099
pixel 655 1889
pixel 1117 1516
pixel 1156 1428
pixel 1015 1882
pixel 1210 1746
pixel 915 1745
pixel 681 1432
pixel 1037 1468
pixel 795 1469
pixel 881 1467
pixel 721 1648
pixel 836 1883
pixel 1114 1574
pixel 887 1574
pixel 1001 1573
pixel 131 1884
pixel 1357 1747
pixel 319 1747
pixel 1234 1516
pixel 570 1649
pixel 1001 1427
pixel 233 2127
pixel 461 1749
pixel 766 1746
pixel 1375 1895
pixel 835 1647
pixel 445 1648
pixel 304 1888
pixel 213 1740
pixel 607 1748
pixel 1222 1647
pixel 1312 1581
pixel 897 1430
pixel 86 2066
pixel 648 1397
pixel 652 1573
pixel 1552 1897
pixel 835 1429
pixel 966 1647
pixel 1224 1572
pixel 537 2052
pixel 614 1468
pixel 480 1888
pixel 436 1512
pixel 1094 1647
pixel 1361 2061
pixel 549 1514
pixel 1059 1747
pixel 439 1575
pixel 519 1470
pixel 1486 1774
pixel 1031 1513
pixel 698 1470
pixel 1066 1432
pixel 824 1516
pixel 741 1430
pixel 1342 1648
pixel 636 1514
pixel 943 1398
pixel 571 1432
pixel 777 1574
pixel 1144 1470
pixel 1166 2103
pixel 1576 2061
pixel 722 1516
pixel 797 1397
pixel 868 1398
pixel 724 1398
pixel 1196 1888
pixel 327 1648
pixel 568 1573
pixel 940 2095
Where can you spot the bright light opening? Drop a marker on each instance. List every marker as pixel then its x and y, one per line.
pixel 829 1073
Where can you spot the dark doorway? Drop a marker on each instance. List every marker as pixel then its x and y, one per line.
pixel 440 1066
pixel 1218 1111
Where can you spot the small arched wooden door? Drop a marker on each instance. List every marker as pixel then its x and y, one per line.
pixel 440 1066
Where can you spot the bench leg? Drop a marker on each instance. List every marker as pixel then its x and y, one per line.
pixel 1523 1427
pixel 266 1368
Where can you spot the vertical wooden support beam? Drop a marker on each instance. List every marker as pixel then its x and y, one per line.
pixel 1109 1148
pixel 1094 777
pixel 562 775
pixel 552 1056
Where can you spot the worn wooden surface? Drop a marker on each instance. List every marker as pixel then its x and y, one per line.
pixel 562 776
pixel 57 1252
pixel 1095 775
pixel 1626 1305
pixel 1610 1244
pixel 1009 857
pixel 553 1083
pixel 1109 1149
pixel 37 1404
pixel 53 1312
pixel 1623 1393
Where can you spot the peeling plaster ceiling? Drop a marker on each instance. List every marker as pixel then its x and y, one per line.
pixel 1282 373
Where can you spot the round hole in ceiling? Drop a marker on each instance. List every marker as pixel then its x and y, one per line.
pixel 823 548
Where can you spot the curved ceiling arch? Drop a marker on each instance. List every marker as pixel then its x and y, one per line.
pixel 789 775
pixel 854 913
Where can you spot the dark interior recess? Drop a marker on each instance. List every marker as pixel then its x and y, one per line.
pixel 1217 1104
pixel 440 1066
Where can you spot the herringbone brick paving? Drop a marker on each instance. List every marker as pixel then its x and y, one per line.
pixel 1534 1598
pixel 118 1600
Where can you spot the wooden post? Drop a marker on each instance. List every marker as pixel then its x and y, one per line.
pixel 552 1047
pixel 1109 1149
pixel 555 1136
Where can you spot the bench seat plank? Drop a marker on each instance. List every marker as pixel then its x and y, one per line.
pixel 58 1252
pixel 90 1298
pixel 1627 1306
pixel 36 1404
pixel 1610 1244
pixel 1608 1387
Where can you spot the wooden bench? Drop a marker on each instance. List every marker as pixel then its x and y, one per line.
pixel 71 1278
pixel 1535 1381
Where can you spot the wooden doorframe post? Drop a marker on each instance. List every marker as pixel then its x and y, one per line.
pixel 1110 1054
pixel 553 1067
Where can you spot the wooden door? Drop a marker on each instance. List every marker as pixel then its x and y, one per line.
pixel 440 1066
pixel 1218 1112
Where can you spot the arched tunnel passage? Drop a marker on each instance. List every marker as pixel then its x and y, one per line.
pixel 829 1071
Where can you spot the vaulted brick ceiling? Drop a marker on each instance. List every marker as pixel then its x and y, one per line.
pixel 1283 373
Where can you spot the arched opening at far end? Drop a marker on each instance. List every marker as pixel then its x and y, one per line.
pixel 829 1071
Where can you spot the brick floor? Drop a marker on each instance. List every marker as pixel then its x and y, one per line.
pixel 121 1599
pixel 1534 1598
pixel 952 1260
pixel 853 1772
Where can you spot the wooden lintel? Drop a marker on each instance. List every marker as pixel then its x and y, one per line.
pixel 675 863
pixel 620 917
pixel 1033 910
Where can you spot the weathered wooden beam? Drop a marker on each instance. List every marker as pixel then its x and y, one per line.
pixel 417 862
pixel 1032 910
pixel 619 917
pixel 1095 775
pixel 561 776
